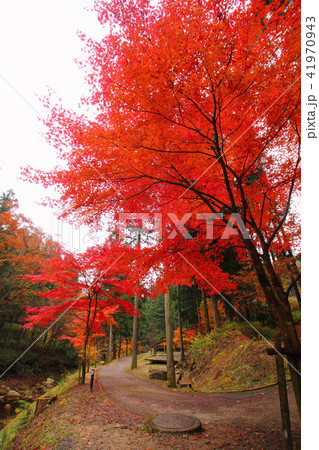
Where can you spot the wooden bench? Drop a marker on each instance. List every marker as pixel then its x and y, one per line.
pixel 187 383
pixel 180 381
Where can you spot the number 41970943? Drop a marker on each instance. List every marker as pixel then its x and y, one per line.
pixel 310 42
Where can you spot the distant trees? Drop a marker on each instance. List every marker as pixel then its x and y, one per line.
pixel 22 248
pixel 86 287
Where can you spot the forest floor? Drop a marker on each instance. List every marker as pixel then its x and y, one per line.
pixel 113 417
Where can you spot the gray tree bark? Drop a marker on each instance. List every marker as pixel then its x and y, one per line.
pixel 206 316
pixel 134 338
pixel 109 356
pixel 180 325
pixel 171 381
pixel 216 317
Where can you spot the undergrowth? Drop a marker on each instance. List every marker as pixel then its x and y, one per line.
pixel 8 433
pixel 232 358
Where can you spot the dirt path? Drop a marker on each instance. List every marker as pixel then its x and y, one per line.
pixel 113 417
pixel 136 396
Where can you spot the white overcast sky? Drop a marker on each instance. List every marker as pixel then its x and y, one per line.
pixel 38 45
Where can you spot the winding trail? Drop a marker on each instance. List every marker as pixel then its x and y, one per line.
pixel 144 398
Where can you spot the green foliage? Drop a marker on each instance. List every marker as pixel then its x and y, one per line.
pixel 8 201
pixel 124 322
pixel 41 359
pixel 203 344
pixel 188 305
pixel 296 315
pixel 152 322
pixel 247 330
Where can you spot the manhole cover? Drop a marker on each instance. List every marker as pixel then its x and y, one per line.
pixel 174 423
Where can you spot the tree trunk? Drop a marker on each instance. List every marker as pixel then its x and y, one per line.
pixel 169 343
pixel 180 326
pixel 109 356
pixel 295 362
pixel 297 293
pixel 88 358
pixel 84 360
pixel 284 405
pixel 2 322
pixel 135 332
pixel 206 316
pixel 280 309
pixel 21 332
pixel 126 347
pixel 295 290
pixel 120 347
pixel 216 317
pixel 195 317
pixel 229 312
pixel 79 377
pixel 114 345
pixel 198 313
pixel 294 270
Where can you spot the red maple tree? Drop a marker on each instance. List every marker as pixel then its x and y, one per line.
pixel 198 110
pixel 87 287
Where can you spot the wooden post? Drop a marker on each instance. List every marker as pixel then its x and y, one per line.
pixel 134 338
pixel 171 381
pixel 284 405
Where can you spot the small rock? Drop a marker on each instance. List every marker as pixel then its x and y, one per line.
pixel 49 383
pixel 13 394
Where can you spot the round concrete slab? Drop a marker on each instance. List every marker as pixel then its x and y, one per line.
pixel 174 423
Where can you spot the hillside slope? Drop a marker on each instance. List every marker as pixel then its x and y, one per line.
pixel 233 358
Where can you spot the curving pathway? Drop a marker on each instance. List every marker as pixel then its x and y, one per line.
pixel 145 399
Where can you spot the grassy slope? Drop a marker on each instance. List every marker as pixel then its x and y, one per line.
pixel 233 358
